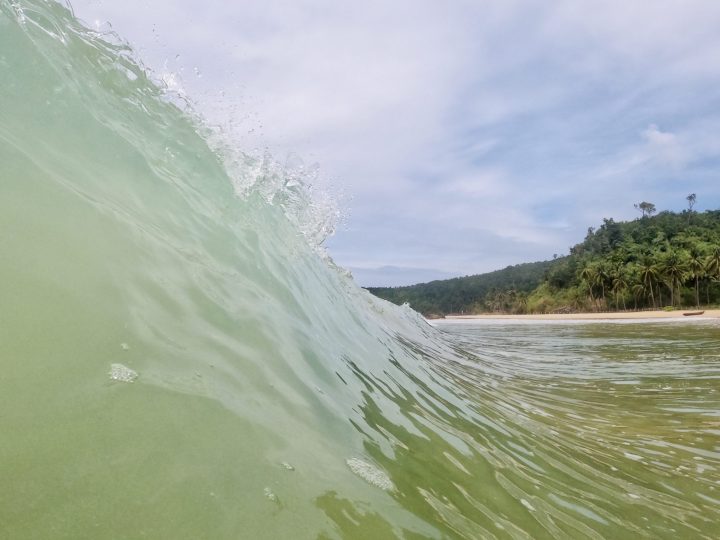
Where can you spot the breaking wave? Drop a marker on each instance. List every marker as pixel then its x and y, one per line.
pixel 269 396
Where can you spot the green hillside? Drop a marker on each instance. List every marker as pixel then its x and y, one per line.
pixel 470 294
pixel 670 260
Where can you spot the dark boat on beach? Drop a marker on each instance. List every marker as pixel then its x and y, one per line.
pixel 690 313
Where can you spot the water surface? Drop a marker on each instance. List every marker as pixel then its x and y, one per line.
pixel 178 359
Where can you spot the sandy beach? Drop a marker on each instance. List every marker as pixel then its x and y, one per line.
pixel 678 314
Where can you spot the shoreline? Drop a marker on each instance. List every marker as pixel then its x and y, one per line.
pixel 626 315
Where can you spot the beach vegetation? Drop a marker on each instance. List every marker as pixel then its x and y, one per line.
pixel 660 261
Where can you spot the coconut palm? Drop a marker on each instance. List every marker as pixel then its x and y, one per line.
pixel 712 264
pixel 673 270
pixel 712 268
pixel 589 275
pixel 619 286
pixel 603 278
pixel 638 290
pixel 649 276
pixel 696 270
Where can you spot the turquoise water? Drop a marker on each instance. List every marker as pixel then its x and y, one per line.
pixel 179 360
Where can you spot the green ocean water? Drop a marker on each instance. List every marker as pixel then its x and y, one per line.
pixel 177 359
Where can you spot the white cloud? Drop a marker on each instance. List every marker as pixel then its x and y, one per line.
pixel 480 184
pixel 664 147
pixel 470 134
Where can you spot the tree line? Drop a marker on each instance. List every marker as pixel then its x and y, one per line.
pixel 469 294
pixel 664 260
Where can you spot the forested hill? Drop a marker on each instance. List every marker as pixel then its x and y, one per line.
pixel 466 294
pixel 669 260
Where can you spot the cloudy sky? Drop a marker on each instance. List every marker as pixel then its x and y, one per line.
pixel 463 136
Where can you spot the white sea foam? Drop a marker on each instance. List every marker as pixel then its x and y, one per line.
pixel 270 495
pixel 119 372
pixel 370 473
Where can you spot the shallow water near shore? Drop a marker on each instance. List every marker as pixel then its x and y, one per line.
pixel 178 360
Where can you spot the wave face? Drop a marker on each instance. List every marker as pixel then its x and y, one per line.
pixel 177 361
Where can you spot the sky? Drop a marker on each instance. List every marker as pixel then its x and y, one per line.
pixel 459 137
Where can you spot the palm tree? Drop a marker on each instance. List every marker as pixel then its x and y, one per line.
pixel 589 275
pixel 649 276
pixel 638 290
pixel 712 268
pixel 712 263
pixel 619 286
pixel 673 271
pixel 603 279
pixel 696 270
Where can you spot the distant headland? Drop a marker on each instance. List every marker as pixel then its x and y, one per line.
pixel 662 261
